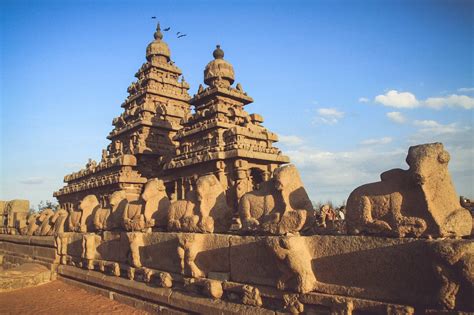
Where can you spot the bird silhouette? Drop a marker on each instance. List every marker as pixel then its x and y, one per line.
pixel 153 17
pixel 181 35
pixel 167 29
pixel 178 33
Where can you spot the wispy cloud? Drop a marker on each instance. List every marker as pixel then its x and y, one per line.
pixel 32 181
pixel 290 140
pixel 329 116
pixel 384 140
pixel 436 128
pixel 396 117
pixel 466 90
pixel 363 100
pixel 453 100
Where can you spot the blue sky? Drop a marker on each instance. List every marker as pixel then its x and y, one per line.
pixel 348 85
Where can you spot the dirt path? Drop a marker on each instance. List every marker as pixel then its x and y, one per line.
pixel 59 298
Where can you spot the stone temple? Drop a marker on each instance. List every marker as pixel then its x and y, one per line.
pixel 192 209
pixel 158 136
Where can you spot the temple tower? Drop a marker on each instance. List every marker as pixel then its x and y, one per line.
pixel 143 134
pixel 221 138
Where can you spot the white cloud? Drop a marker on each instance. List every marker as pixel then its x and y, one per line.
pixel 363 100
pixel 396 117
pixel 384 140
pixel 32 181
pixel 435 128
pixel 453 100
pixel 329 116
pixel 290 140
pixel 396 99
pixel 466 90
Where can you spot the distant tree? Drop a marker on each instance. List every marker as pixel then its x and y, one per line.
pixel 47 204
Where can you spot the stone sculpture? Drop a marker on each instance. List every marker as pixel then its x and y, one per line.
pixel 189 246
pixel 74 220
pixel 454 269
pixel 294 262
pixel 88 206
pixel 251 296
pixel 111 219
pixel 32 225
pixel 420 201
pixel 150 210
pixel 280 206
pixel 135 240
pixel 204 210
pixel 214 213
pixel 181 215
pixel 58 221
pixel 43 222
pixel 90 241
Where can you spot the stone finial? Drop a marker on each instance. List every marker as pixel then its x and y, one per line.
pixel 218 52
pixel 219 72
pixel 158 49
pixel 158 35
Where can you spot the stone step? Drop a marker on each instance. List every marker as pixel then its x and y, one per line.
pixel 26 275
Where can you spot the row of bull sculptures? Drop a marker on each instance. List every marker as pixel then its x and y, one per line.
pixel 418 202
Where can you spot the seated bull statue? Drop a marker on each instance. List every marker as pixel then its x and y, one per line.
pixel 420 201
pixel 111 219
pixel 204 210
pixel 281 205
pixel 151 210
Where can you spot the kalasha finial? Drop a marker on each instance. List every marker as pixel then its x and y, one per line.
pixel 158 34
pixel 218 52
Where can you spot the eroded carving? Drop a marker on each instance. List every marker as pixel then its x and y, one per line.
pixel 204 210
pixel 293 259
pixel 280 206
pixel 454 269
pixel 135 240
pixel 150 210
pixel 251 296
pixel 188 248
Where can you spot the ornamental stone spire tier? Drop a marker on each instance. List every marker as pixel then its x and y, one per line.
pixel 221 138
pixel 143 134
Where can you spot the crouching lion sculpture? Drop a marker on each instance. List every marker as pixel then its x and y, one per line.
pixel 280 206
pixel 420 201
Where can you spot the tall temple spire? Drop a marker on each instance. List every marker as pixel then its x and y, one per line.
pixel 143 133
pixel 158 50
pixel 158 35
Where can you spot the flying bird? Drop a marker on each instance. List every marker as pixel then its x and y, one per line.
pixel 181 35
pixel 167 29
pixel 153 17
pixel 178 33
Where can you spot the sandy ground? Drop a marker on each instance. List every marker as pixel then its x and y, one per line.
pixel 58 298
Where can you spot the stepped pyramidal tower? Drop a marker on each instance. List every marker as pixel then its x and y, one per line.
pixel 157 136
pixel 143 134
